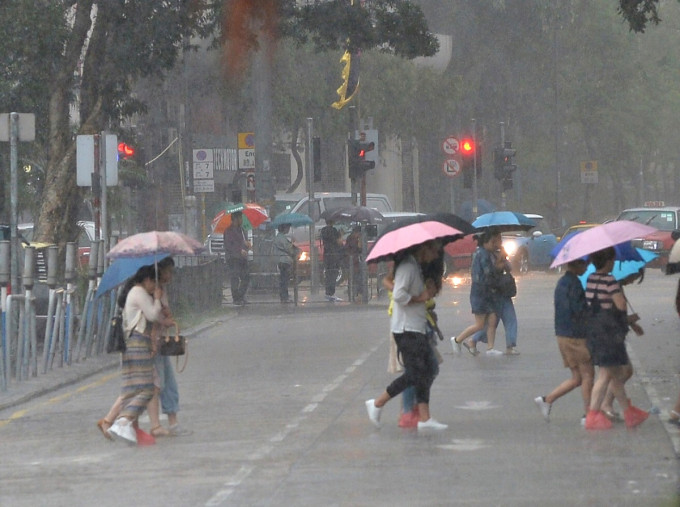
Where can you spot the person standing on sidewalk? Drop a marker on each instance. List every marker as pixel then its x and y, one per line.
pixel 236 251
pixel 332 256
pixel 570 310
pixel 409 325
pixel 286 251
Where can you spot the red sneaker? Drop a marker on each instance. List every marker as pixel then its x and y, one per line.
pixel 409 420
pixel 634 416
pixel 143 438
pixel 596 420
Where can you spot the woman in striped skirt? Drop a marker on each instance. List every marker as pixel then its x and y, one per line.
pixel 142 307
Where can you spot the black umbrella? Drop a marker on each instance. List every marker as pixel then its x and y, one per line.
pixel 445 218
pixel 353 214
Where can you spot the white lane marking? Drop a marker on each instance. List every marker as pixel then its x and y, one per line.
pixel 477 405
pixel 464 445
pixel 232 483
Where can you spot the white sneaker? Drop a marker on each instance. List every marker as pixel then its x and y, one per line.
pixel 544 407
pixel 511 351
pixel 494 352
pixel 124 432
pixel 431 424
pixel 330 298
pixel 373 412
pixel 456 346
pixel 336 298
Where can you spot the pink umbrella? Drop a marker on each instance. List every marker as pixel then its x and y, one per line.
pixel 403 238
pixel 155 242
pixel 598 238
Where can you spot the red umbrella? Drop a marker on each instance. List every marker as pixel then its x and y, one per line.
pixel 255 215
pixel 403 238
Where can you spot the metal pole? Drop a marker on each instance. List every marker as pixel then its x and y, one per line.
pixel 104 191
pixel 312 230
pixel 504 203
pixel 474 172
pixel 14 199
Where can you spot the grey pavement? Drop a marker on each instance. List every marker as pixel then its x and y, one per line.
pixel 261 303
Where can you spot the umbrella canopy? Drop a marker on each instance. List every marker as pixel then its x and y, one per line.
pixel 445 218
pixel 292 219
pixel 504 221
pixel 353 214
pixel 624 267
pixel 396 241
pixel 254 215
pixel 598 238
pixel 123 268
pixel 155 242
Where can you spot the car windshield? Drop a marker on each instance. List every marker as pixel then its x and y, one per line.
pixel 662 220
pixel 282 206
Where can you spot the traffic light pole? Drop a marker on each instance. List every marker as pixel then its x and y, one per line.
pixel 503 197
pixel 474 171
pixel 312 229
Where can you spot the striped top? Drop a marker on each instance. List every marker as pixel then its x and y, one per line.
pixel 605 286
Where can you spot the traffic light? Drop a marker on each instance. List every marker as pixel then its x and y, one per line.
pixel 471 155
pixel 356 154
pixel 503 164
pixel 125 151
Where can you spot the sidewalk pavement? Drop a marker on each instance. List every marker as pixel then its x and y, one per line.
pixel 59 377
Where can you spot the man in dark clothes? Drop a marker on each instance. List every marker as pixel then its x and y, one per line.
pixel 236 250
pixel 332 255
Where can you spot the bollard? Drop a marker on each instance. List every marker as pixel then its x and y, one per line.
pixel 28 334
pixel 51 323
pixel 69 275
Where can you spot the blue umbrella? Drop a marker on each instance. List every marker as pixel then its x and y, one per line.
pixel 504 221
pixel 292 219
pixel 623 268
pixel 123 268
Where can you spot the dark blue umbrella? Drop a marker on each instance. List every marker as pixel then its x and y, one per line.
pixel 123 268
pixel 504 221
pixel 292 219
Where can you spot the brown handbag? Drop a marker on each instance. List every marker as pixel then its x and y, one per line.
pixel 173 345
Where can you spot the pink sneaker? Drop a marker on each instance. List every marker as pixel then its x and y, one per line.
pixel 634 416
pixel 596 420
pixel 409 420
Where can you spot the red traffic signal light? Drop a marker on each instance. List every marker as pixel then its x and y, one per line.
pixel 467 147
pixel 125 150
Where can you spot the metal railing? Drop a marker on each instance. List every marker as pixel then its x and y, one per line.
pixel 75 331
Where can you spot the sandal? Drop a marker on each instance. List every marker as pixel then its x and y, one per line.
pixel 104 426
pixel 612 415
pixel 470 348
pixel 159 431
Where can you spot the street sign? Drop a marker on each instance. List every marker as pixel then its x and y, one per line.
pixel 451 167
pixel 26 126
pixel 85 159
pixel 246 150
pixel 589 172
pixel 204 186
pixel 450 145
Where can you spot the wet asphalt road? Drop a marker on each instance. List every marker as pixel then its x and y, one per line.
pixel 275 400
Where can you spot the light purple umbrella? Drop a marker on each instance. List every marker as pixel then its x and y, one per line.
pixel 403 238
pixel 598 238
pixel 155 242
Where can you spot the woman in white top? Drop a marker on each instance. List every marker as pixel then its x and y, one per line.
pixel 142 307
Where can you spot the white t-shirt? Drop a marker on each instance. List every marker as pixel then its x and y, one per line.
pixel 408 282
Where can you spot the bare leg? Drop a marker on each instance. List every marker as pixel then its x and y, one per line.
pixel 382 399
pixel 608 403
pixel 153 409
pixel 492 326
pixel 480 322
pixel 424 411
pixel 565 387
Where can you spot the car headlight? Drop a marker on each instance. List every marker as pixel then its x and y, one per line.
pixel 652 245
pixel 510 248
pixel 304 257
